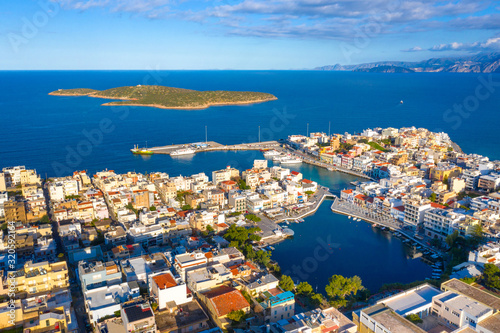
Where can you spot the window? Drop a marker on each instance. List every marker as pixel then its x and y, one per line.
pixel 47 323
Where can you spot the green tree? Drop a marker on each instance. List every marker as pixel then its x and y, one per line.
pixel 210 229
pixel 243 185
pixel 286 283
pixel 414 318
pixel 317 299
pixel 45 219
pixel 152 208
pixel 340 288
pixel 433 197
pixel 186 207
pixel 236 316
pixel 255 238
pixel 451 238
pixel 477 233
pixel 263 257
pixel 304 288
pixel 491 276
pixel 253 217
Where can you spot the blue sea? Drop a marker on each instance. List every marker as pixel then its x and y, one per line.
pixel 56 135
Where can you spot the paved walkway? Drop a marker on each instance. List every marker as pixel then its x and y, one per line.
pixel 342 207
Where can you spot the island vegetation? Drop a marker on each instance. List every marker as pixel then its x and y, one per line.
pixel 168 97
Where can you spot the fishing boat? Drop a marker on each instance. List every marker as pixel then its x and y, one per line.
pixel 179 152
pixel 141 151
pixel 348 216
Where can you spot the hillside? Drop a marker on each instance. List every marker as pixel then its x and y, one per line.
pixel 480 63
pixel 385 69
pixel 168 97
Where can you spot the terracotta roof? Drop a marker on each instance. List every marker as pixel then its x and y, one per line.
pixel 295 173
pixel 164 281
pixel 251 266
pixel 347 191
pixel 225 299
pixel 436 205
pixel 361 196
pixel 400 208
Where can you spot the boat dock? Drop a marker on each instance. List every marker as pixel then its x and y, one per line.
pixel 199 147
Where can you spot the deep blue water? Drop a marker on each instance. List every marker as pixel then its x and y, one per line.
pixel 41 131
pixel 48 133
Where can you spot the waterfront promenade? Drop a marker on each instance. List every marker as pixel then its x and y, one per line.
pixel 340 206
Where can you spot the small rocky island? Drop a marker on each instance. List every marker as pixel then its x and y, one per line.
pixel 168 97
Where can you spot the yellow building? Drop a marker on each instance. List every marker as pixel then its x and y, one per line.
pixel 38 278
pixel 46 321
pixel 29 177
pixel 445 172
pixel 9 319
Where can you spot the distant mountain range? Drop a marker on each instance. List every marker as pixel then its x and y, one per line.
pixel 480 63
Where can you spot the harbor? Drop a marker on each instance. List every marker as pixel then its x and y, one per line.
pixel 284 154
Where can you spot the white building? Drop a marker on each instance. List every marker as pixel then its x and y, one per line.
pixel 439 222
pixel 186 262
pixel 105 301
pixel 169 292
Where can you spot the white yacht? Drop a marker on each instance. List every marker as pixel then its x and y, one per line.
pixel 187 151
pixel 271 153
pixel 291 160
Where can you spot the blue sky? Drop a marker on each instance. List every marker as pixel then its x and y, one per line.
pixel 239 34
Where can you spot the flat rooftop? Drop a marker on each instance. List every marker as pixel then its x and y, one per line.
pixel 192 313
pixel 396 323
pixel 411 300
pixel 491 323
pixel 472 292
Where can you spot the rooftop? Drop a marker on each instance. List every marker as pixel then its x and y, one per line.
pixel 395 323
pixel 492 323
pixel 408 301
pixel 164 281
pixel 191 313
pixel 226 299
pixel 138 312
pixel 472 292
